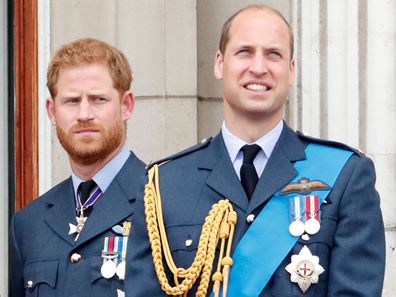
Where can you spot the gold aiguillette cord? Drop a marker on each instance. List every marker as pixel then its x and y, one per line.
pixel 219 224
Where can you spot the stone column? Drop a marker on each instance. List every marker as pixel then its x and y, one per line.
pixel 345 88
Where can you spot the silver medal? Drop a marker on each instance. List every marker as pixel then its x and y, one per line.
pixel 312 226
pixel 120 271
pixel 296 228
pixel 108 269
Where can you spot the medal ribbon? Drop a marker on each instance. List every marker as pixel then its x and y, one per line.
pixel 122 247
pixel 296 204
pixel 256 257
pixel 312 207
pixel 110 247
pixel 93 197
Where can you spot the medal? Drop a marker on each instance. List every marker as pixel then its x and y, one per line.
pixel 304 269
pixel 120 271
pixel 108 269
pixel 77 228
pixel 312 224
pixel 109 255
pixel 80 208
pixel 122 248
pixel 296 227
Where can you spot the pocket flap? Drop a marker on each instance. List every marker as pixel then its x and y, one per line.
pixel 185 237
pixel 38 272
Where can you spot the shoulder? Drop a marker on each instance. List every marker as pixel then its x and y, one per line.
pixel 186 153
pixel 38 205
pixel 358 160
pixel 309 139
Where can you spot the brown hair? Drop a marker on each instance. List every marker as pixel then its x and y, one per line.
pixel 225 36
pixel 90 51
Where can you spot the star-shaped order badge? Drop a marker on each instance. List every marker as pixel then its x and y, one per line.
pixel 304 269
pixel 77 228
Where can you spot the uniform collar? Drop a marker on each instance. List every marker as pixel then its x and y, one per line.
pixel 107 173
pixel 266 142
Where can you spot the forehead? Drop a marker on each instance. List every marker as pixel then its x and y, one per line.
pixel 81 73
pixel 259 25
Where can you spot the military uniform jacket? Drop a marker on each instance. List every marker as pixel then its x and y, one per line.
pixel 41 248
pixel 350 243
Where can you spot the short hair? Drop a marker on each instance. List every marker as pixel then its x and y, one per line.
pixel 90 51
pixel 225 33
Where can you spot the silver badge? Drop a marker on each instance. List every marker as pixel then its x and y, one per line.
pixel 296 228
pixel 304 269
pixel 312 226
pixel 120 271
pixel 77 228
pixel 108 269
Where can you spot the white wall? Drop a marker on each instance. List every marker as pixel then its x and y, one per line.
pixel 3 152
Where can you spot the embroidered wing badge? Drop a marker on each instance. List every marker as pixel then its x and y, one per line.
pixel 304 186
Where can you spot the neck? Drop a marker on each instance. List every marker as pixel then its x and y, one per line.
pixel 88 171
pixel 250 129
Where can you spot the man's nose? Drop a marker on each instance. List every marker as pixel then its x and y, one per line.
pixel 259 65
pixel 85 110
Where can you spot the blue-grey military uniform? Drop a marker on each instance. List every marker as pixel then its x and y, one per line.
pixel 350 243
pixel 46 261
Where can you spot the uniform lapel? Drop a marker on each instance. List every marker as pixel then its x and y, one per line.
pixel 116 203
pixel 61 210
pixel 279 169
pixel 222 177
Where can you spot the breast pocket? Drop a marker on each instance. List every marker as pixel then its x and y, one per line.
pixel 183 241
pixel 40 278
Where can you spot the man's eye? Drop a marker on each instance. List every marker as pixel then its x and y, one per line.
pixel 275 54
pixel 71 101
pixel 100 99
pixel 243 51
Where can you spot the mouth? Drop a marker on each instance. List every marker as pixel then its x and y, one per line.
pixel 86 131
pixel 257 87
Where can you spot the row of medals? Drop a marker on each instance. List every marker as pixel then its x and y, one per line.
pixel 298 225
pixel 113 264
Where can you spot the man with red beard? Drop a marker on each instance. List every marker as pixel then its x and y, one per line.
pixel 72 240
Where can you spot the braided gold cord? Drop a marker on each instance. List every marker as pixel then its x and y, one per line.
pixel 219 224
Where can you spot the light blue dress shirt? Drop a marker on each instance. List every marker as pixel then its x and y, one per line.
pixel 105 176
pixel 266 142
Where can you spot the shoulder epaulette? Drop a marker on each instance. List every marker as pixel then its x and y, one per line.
pixel 329 142
pixel 204 143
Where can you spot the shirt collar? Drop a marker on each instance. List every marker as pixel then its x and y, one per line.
pixel 107 173
pixel 266 142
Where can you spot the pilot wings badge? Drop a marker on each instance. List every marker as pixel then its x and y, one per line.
pixel 304 186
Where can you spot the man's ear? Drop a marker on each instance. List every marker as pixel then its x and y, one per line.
pixel 291 72
pixel 127 105
pixel 50 106
pixel 218 65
